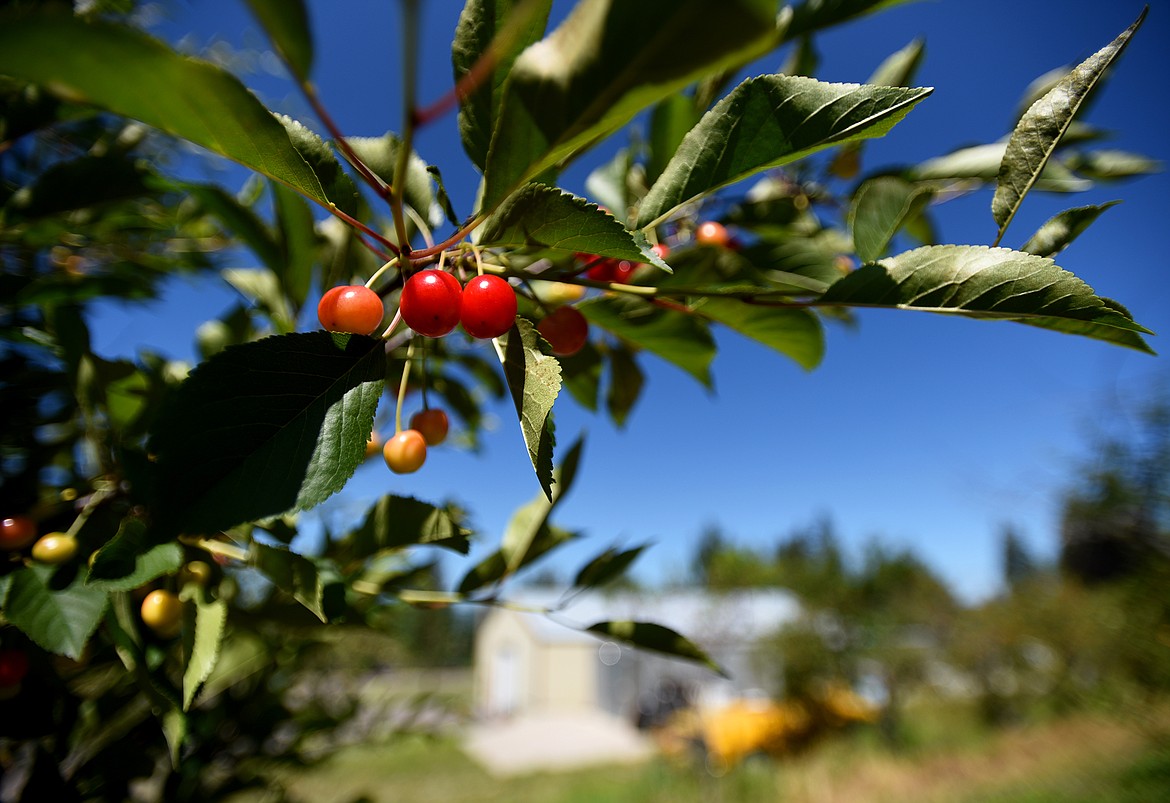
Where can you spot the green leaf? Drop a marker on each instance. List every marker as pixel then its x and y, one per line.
pixel 568 91
pixel 1110 165
pixel 319 155
pixel 534 379
pixel 608 184
pixel 299 246
pixel 1042 126
pixel 768 121
pixel 261 287
pixel 899 67
pixel 880 207
pixel 625 383
pixel 539 216
pixel 380 154
pixel 79 183
pixel 131 559
pixel 581 375
pixel 313 582
pixel 982 282
pixel 672 118
pixel 607 566
pixel 205 640
pixel 58 617
pixel 287 24
pixel 503 27
pixel 656 638
pixel 982 162
pixel 677 337
pixel 400 521
pixel 237 219
pixel 795 333
pixel 1058 232
pixel 812 15
pixel 136 76
pixel 530 520
pixel 264 428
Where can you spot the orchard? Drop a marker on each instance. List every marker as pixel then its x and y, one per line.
pixel 139 497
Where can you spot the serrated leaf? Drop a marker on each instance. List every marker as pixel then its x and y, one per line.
pixel 795 333
pixel 380 154
pixel 264 428
pixel 133 75
pixel 1059 231
pixel 313 582
pixel 607 566
pixel 530 520
pixel 399 521
pixel 534 379
pixel 494 567
pixel 567 91
pixel 1040 129
pixel 626 381
pixel 58 619
pixel 880 207
pixel 505 28
pixel 656 638
pixel 677 337
pixel 203 649
pixel 982 162
pixel 287 25
pixel 131 559
pixel 984 282
pixel 766 122
pixel 322 160
pixel 813 15
pixel 539 216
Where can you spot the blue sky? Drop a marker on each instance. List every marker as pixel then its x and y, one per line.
pixel 917 430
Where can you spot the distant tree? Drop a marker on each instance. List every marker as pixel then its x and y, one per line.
pixel 1019 565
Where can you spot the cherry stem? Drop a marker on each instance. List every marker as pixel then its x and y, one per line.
pixel 451 241
pixel 402 385
pixel 374 181
pixel 362 227
pixel 378 273
pixel 410 37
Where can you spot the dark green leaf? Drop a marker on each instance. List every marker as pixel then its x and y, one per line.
pixel 261 287
pixel 287 24
pixel 399 521
pixel 313 582
pixel 795 333
pixel 530 520
pixel 494 567
pixel 1042 126
pixel 625 383
pixel 535 380
pixel 540 216
pixel 607 566
pixel 677 337
pixel 79 184
pixel 880 207
pixel 322 160
pixel 581 375
pixel 504 27
pixel 131 559
pixel 812 15
pixel 899 67
pixel 1109 165
pixel 984 282
pixel 672 118
pixel 1058 232
pixel 982 162
pixel 237 219
pixel 608 184
pixel 205 636
pixel 441 196
pixel 380 154
pixel 768 121
pixel 299 245
pixel 131 74
pixel 59 619
pixel 264 428
pixel 654 637
pixel 568 91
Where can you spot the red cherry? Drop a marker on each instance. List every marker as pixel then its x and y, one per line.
pixel 661 250
pixel 602 271
pixel 350 308
pixel 13 667
pixel 624 271
pixel 17 533
pixel 405 452
pixel 430 303
pixel 565 329
pixel 489 307
pixel 711 232
pixel 433 425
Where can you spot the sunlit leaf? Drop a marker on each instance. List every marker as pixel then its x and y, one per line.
pixel 899 68
pixel 983 282
pixel 287 24
pixel 567 91
pixel 134 75
pixel 313 582
pixel 380 154
pixel 130 560
pixel 880 207
pixel 656 638
pixel 768 121
pixel 795 333
pixel 322 160
pixel 60 617
pixel 982 162
pixel 264 428
pixel 205 639
pixel 534 379
pixel 677 337
pixel 1058 232
pixel 399 521
pixel 1042 126
pixel 1109 165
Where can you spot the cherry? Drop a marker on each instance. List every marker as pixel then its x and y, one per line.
pixel 17 533
pixel 711 232
pixel 197 572
pixel 13 667
pixel 430 303
pixel 162 612
pixel 350 308
pixel 489 307
pixel 624 271
pixel 433 425
pixel 373 445
pixel 55 548
pixel 405 452
pixel 661 250
pixel 565 329
pixel 602 271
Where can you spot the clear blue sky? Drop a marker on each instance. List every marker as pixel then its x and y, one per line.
pixel 918 430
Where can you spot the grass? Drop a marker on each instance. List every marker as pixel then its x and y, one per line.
pixel 1074 760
